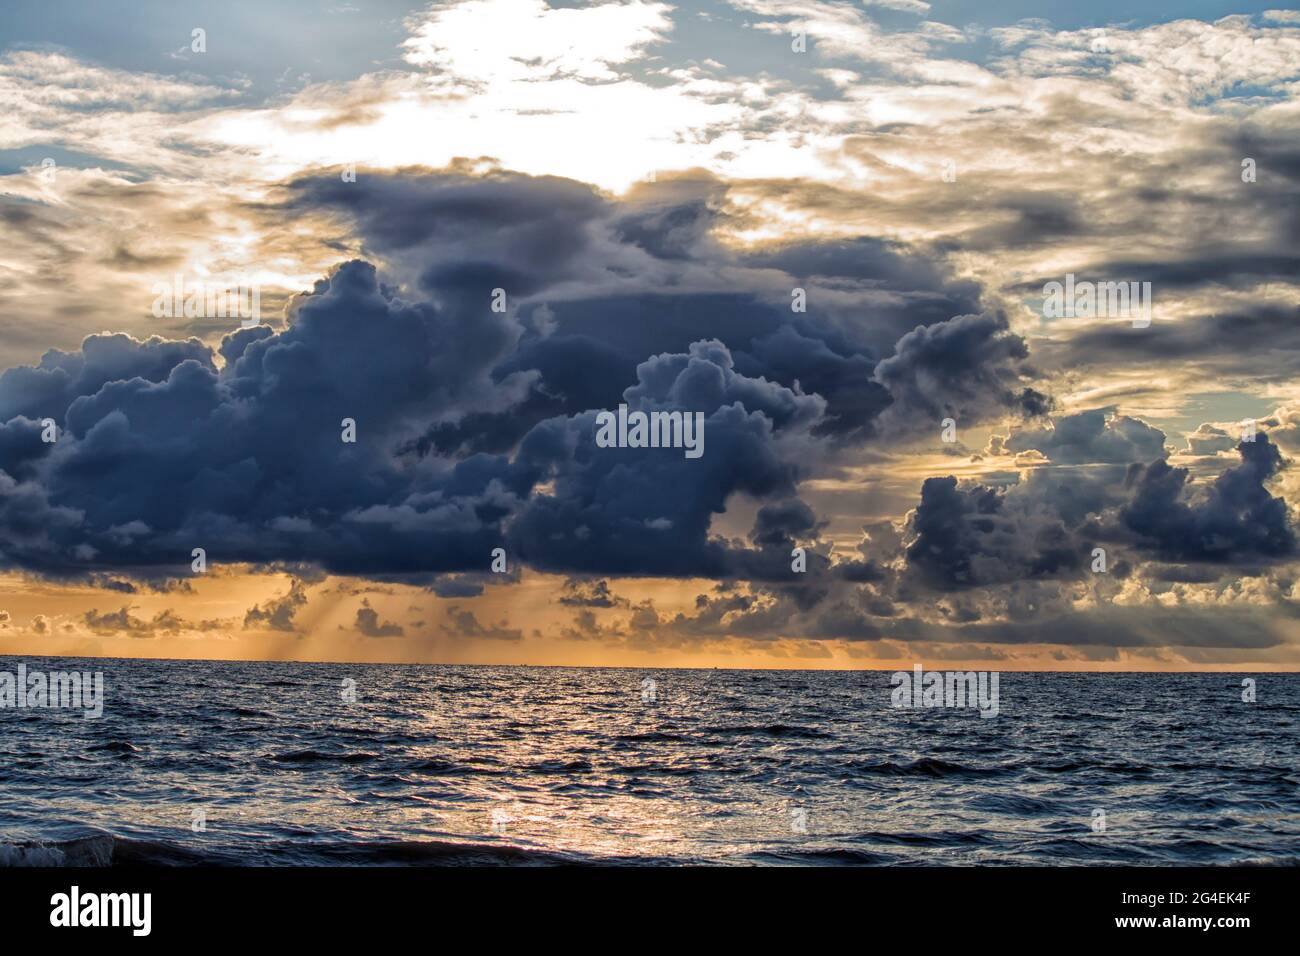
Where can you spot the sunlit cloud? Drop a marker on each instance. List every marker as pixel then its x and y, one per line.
pixel 650 209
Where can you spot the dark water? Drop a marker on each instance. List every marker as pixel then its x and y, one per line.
pixel 441 764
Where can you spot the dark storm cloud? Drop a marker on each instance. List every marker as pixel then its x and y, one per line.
pixel 1235 517
pixel 254 468
pixel 474 428
pixel 783 521
pixel 248 461
pixel 967 368
pixel 625 511
pixel 977 535
pixel 854 400
pixel 22 447
pixel 621 280
pixel 471 233
pixel 971 537
pixel 47 389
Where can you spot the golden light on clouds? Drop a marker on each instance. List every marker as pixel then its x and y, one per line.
pixel 648 211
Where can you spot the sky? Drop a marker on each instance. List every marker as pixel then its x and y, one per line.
pixel 837 233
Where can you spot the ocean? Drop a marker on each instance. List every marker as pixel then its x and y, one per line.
pixel 207 762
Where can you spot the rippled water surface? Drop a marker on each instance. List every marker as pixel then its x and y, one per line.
pixel 445 764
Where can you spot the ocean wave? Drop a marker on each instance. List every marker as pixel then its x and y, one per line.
pixel 109 850
pixel 102 850
pixel 317 756
pixel 117 747
pixel 770 730
pixel 833 856
pixel 931 767
pixel 88 851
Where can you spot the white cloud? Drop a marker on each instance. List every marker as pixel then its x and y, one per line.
pixel 496 41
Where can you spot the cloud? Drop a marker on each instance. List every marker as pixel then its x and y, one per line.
pixel 621 511
pixel 978 536
pixel 54 97
pixel 473 428
pixel 578 593
pixel 1258 343
pixel 48 389
pixel 968 368
pixel 123 621
pixel 368 623
pixel 1093 436
pixel 279 613
pixel 533 41
pixel 1235 517
pixel 1209 439
pixel 463 623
